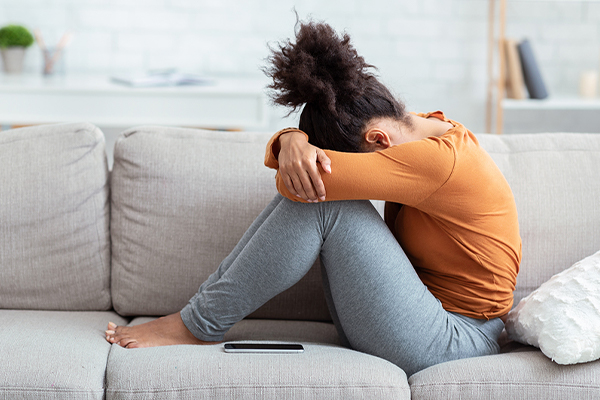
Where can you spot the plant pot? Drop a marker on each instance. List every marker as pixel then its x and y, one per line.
pixel 12 59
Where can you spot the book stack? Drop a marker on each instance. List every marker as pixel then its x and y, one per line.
pixel 522 71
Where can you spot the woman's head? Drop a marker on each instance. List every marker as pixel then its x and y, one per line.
pixel 323 72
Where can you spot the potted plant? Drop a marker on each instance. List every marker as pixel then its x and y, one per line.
pixel 14 39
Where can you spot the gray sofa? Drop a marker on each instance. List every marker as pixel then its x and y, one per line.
pixel 81 246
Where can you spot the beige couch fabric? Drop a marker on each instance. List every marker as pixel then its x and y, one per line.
pixel 520 375
pixel 324 371
pixel 54 219
pixel 53 354
pixel 181 200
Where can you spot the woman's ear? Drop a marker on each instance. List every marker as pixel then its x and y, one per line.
pixel 378 138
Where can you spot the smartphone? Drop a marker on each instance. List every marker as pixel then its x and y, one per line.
pixel 263 347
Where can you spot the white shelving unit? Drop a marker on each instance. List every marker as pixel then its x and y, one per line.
pixel 552 103
pixel 551 115
pixel 561 114
pixel 34 99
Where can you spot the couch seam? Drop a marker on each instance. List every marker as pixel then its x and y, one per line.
pixel 49 389
pixel 160 390
pixel 488 383
pixel 44 135
pixel 99 215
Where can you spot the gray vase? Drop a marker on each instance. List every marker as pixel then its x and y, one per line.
pixel 12 59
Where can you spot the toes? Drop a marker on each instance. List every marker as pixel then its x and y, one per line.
pixel 126 342
pixel 110 332
pixel 109 336
pixel 114 336
pixel 120 336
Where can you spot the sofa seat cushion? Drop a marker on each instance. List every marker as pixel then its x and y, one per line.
pixel 54 219
pixel 53 354
pixel 324 371
pixel 523 374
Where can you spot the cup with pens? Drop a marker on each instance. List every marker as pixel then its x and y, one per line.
pixel 53 62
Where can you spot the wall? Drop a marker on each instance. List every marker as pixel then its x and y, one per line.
pixel 432 53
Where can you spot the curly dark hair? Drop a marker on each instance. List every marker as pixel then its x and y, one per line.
pixel 323 72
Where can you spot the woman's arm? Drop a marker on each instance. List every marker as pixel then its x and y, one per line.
pixel 406 173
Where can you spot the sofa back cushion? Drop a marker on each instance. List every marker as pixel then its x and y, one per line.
pixel 554 178
pixel 54 219
pixel 181 200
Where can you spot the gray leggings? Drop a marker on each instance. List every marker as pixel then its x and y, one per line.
pixel 377 301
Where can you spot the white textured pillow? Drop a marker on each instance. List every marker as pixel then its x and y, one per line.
pixel 562 316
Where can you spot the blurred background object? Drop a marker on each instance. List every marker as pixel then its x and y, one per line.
pixel 14 40
pixel 53 60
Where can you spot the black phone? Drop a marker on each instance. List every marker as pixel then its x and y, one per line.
pixel 263 347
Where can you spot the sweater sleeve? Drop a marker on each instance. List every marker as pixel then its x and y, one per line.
pixel 407 173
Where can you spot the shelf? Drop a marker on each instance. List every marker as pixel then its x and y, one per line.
pixel 551 115
pixel 576 109
pixel 558 103
pixel 228 103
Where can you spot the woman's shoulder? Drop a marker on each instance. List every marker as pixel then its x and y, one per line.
pixel 456 133
pixel 449 127
pixel 434 114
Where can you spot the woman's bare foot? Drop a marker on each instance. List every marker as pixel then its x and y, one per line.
pixel 165 331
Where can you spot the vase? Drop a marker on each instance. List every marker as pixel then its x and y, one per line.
pixel 12 59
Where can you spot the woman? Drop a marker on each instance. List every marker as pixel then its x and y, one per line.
pixel 430 284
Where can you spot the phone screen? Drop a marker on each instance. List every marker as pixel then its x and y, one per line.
pixel 263 347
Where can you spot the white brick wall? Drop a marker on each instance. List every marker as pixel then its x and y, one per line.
pixel 432 53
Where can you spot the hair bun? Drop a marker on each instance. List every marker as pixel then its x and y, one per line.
pixel 320 68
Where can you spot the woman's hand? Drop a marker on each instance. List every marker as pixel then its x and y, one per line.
pixel 298 166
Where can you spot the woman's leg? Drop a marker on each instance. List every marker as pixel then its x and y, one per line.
pixel 256 224
pixel 378 302
pixel 381 305
pixel 171 330
pixel 276 252
pixel 248 277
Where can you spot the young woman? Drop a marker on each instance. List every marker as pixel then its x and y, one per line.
pixel 430 284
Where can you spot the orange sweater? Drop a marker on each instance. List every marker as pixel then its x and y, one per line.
pixel 458 223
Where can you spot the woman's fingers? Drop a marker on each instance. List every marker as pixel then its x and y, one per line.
pixel 324 160
pixel 315 174
pixel 300 185
pixel 307 186
pixel 303 186
pixel 316 183
pixel 289 184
